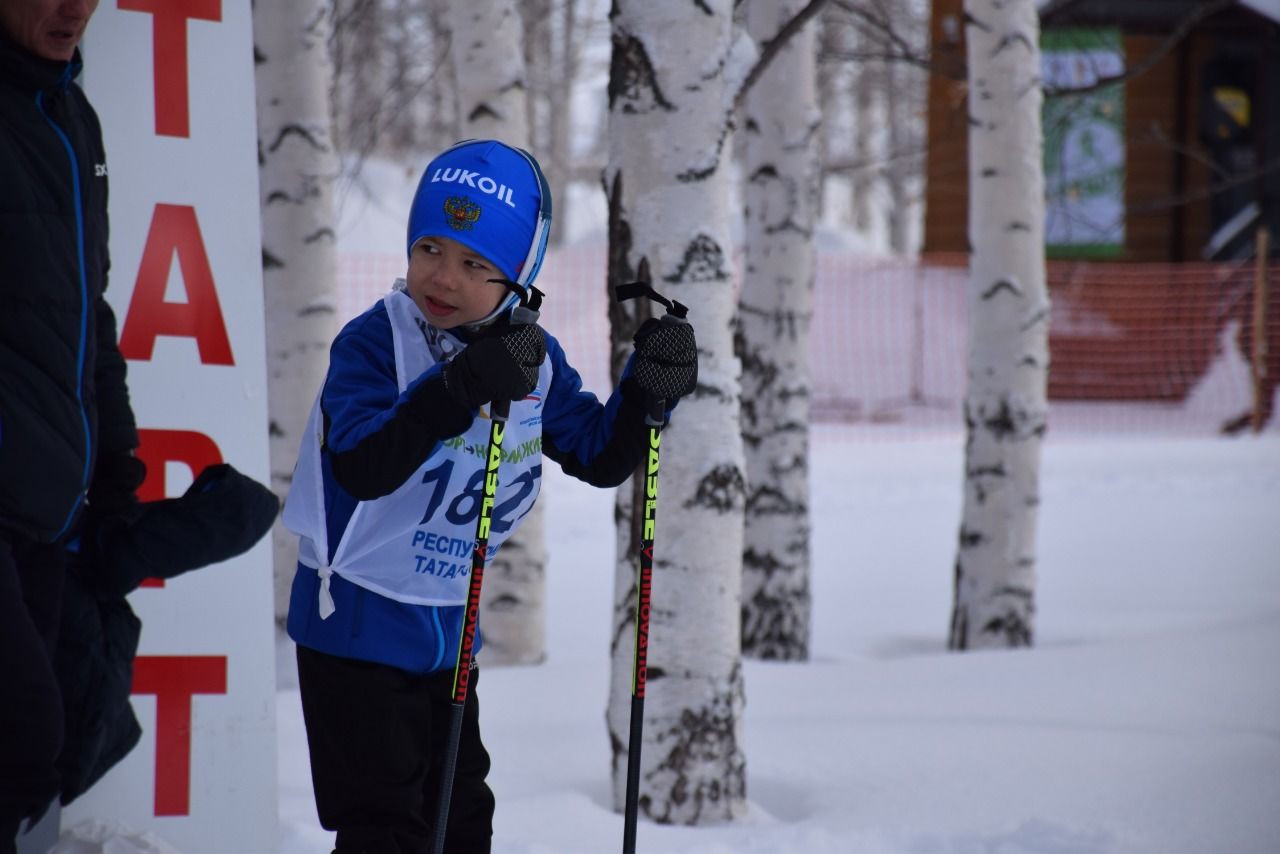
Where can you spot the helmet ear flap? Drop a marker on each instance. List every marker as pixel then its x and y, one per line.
pixel 537 251
pixel 542 227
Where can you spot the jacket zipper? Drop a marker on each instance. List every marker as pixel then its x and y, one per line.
pixel 84 302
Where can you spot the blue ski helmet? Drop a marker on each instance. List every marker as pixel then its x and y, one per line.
pixel 492 198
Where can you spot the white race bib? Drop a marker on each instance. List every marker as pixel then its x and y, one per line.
pixel 415 545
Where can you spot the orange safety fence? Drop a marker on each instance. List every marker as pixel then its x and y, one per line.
pixel 1134 348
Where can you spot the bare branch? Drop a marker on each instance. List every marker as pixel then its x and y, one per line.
pixel 1156 205
pixel 914 59
pixel 774 46
pixel 1185 26
pixel 880 23
pixel 835 167
pixel 1158 135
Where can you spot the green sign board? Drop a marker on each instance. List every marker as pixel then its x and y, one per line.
pixel 1084 145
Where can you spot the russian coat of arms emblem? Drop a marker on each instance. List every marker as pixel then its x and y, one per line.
pixel 462 213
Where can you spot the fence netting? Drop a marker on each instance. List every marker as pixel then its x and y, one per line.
pixel 1134 348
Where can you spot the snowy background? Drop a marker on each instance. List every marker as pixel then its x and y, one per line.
pixel 1145 721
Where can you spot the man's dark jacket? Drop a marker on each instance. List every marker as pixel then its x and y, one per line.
pixel 63 399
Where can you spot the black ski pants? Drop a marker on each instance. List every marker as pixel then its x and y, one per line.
pixel 377 737
pixel 31 576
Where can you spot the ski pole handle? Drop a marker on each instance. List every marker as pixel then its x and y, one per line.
pixel 676 313
pixel 657 414
pixel 524 313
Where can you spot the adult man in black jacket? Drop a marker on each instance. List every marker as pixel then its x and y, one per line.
pixel 66 429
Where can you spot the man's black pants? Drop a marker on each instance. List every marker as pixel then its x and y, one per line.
pixel 377 737
pixel 31 724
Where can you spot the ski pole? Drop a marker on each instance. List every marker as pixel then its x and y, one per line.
pixel 654 419
pixel 499 410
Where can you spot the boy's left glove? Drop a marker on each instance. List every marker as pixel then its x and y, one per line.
pixel 666 360
pixel 500 365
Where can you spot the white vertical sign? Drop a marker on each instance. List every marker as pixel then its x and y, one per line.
pixel 172 81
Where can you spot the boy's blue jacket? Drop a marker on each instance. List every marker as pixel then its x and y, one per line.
pixel 375 437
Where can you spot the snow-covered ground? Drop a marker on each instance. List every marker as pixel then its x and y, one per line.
pixel 1145 721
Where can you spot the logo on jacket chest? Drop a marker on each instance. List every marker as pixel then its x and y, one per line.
pixel 99 170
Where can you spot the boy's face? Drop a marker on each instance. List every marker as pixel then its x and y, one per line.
pixel 450 283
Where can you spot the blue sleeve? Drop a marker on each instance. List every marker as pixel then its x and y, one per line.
pixel 600 443
pixel 375 435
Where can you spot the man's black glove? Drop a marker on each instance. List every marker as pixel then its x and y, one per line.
pixel 221 515
pixel 666 360
pixel 113 488
pixel 502 364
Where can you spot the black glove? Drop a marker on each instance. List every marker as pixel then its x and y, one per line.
pixel 221 515
pixel 502 364
pixel 666 361
pixel 113 489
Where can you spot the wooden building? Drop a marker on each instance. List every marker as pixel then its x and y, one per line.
pixel 1162 173
pixel 1197 143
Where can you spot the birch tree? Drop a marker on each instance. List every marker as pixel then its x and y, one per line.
pixel 898 110
pixel 393 88
pixel 1005 405
pixel 670 99
pixel 297 166
pixel 865 83
pixel 829 83
pixel 360 80
pixel 781 126
pixel 488 60
pixel 873 61
pixel 554 31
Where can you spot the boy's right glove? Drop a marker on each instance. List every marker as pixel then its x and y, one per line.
pixel 502 364
pixel 666 361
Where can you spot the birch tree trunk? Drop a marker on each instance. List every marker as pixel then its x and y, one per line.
pixel 670 88
pixel 552 49
pixel 1006 402
pixel 537 37
pixel 899 111
pixel 440 98
pixel 830 84
pixel 775 312
pixel 361 81
pixel 488 60
pixel 298 166
pixel 560 107
pixel 864 87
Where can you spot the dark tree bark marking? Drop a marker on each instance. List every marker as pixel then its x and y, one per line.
pixel 632 76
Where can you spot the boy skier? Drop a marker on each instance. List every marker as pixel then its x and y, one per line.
pixel 388 484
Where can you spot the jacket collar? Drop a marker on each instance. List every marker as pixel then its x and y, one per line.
pixel 34 73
